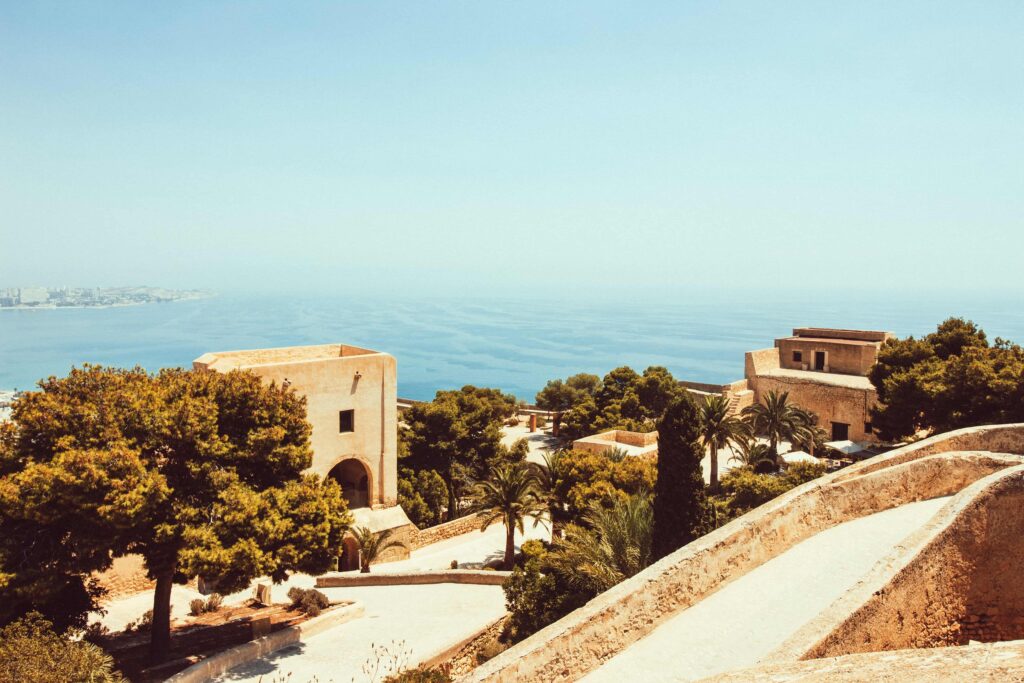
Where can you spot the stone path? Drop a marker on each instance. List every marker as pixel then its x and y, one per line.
pixel 752 616
pixel 427 618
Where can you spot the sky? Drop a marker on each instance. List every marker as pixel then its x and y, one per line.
pixel 488 147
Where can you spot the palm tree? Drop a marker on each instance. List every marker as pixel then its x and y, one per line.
pixel 752 452
pixel 616 545
pixel 809 436
pixel 372 544
pixel 510 493
pixel 553 488
pixel 717 429
pixel 777 419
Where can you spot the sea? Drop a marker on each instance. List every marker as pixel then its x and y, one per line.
pixel 515 344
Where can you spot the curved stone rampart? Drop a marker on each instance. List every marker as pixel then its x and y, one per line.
pixel 954 580
pixel 1008 438
pixel 619 617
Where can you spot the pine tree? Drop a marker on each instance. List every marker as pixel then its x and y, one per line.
pixel 680 501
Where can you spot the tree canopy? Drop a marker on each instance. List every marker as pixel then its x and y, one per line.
pixel 948 379
pixel 30 650
pixel 458 435
pixel 560 396
pixel 680 499
pixel 624 400
pixel 199 472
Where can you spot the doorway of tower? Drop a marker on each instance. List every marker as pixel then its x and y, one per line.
pixel 354 478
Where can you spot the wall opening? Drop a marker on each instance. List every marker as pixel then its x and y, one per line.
pixel 355 482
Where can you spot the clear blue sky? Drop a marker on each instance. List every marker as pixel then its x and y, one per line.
pixel 482 146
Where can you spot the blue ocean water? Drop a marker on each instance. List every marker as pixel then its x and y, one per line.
pixel 440 344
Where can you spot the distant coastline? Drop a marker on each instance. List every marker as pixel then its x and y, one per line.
pixel 47 299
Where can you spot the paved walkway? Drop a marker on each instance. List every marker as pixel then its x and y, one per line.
pixel 423 620
pixel 538 442
pixel 752 616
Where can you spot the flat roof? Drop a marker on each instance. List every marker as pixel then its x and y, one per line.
pixel 830 340
pixel 839 333
pixel 829 378
pixel 224 360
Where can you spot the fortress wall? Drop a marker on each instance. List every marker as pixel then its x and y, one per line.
pixel 955 580
pixel 1008 438
pixel 621 616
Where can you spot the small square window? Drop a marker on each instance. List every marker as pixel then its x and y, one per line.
pixel 868 427
pixel 798 356
pixel 347 421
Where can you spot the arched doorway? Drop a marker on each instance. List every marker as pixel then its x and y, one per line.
pixel 355 482
pixel 349 560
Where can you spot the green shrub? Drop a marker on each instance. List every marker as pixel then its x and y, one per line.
pixel 802 472
pixel 31 651
pixel 196 606
pixel 308 600
pixel 747 489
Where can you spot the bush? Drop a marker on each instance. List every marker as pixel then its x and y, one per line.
pixel 308 600
pixel 748 490
pixel 213 602
pixel 31 651
pixel 143 623
pixel 200 606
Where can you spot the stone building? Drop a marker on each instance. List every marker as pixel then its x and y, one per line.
pixel 824 371
pixel 351 403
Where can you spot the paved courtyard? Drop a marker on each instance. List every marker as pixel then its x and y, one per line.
pixel 428 619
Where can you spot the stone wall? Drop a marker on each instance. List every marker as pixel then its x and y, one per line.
pixel 462 658
pixel 1008 438
pixel 477 577
pixel 955 580
pixel 830 402
pixel 609 623
pixel 848 358
pixel 442 532
pixel 759 362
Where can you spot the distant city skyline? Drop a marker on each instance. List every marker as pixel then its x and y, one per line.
pixel 450 149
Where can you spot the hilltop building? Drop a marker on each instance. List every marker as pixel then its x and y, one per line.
pixel 825 371
pixel 351 403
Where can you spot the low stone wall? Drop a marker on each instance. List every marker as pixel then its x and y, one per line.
pixel 1008 438
pixel 240 654
pixel 481 577
pixel 957 579
pixel 463 657
pixel 442 532
pixel 606 625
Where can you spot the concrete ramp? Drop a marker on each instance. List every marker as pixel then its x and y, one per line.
pixel 755 614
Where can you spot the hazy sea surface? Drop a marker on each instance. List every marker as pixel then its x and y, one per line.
pixel 441 344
